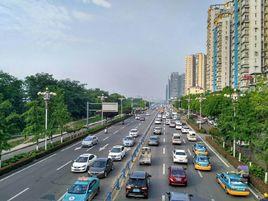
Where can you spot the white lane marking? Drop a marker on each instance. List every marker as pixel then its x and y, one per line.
pixel 105 138
pixel 214 152
pixel 164 140
pixel 104 147
pixel 26 189
pixel 189 152
pixel 90 148
pixel 164 128
pixel 253 193
pixel 71 146
pixel 60 199
pixel 116 132
pixel 27 167
pixel 164 150
pixel 164 132
pixel 77 148
pixel 163 197
pixel 184 141
pixel 164 168
pixel 212 199
pixel 200 174
pixel 59 168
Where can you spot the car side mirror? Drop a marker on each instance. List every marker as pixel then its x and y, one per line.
pixel 89 191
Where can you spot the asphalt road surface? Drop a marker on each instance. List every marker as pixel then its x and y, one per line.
pixel 201 184
pixel 48 178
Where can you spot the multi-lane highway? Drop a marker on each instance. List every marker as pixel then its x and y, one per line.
pixel 48 178
pixel 201 184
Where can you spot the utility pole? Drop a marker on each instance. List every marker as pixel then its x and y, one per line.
pixel 102 98
pixel 121 101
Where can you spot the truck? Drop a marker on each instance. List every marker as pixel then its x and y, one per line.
pixel 146 156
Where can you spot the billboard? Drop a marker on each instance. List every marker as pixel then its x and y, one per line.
pixel 109 107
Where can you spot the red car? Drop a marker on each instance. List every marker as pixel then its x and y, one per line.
pixel 177 176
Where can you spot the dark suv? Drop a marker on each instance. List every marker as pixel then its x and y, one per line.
pixel 138 184
pixel 101 167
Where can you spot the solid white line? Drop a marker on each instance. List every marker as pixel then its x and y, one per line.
pixel 27 168
pixel 77 148
pixel 63 165
pixel 105 138
pixel 163 197
pixel 200 174
pixel 184 141
pixel 164 140
pixel 26 189
pixel 90 148
pixel 213 151
pixel 60 199
pixel 71 146
pixel 189 152
pixel 164 150
pixel 253 193
pixel 164 168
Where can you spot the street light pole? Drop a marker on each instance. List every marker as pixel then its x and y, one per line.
pixel 121 100
pixel 87 111
pixel 102 97
pixel 46 96
pixel 201 98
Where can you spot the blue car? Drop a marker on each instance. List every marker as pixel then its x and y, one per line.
pixel 200 148
pixel 201 162
pixel 84 189
pixel 232 184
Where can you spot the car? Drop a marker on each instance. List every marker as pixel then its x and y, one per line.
pixel 157 121
pixel 184 130
pixel 167 121
pixel 164 116
pixel 90 141
pixel 172 124
pixel 232 184
pixel 180 156
pixel 176 138
pixel 159 116
pixel 153 140
pixel 176 196
pixel 177 176
pixel 138 184
pixel 137 117
pixel 178 127
pixel 157 130
pixel 142 118
pixel 101 167
pixel 128 141
pixel 200 148
pixel 202 162
pixel 118 152
pixel 191 136
pixel 83 162
pixel 134 132
pixel 147 114
pixel 84 188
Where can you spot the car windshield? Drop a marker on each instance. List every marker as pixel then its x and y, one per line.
pixel 88 138
pixel 78 189
pixel 134 130
pixel 180 153
pixel 99 164
pixel 81 159
pixel 202 159
pixel 177 172
pixel 235 180
pixel 116 150
pixel 136 182
pixel 128 138
pixel 176 137
pixel 153 138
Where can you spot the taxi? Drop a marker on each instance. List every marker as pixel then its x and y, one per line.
pixel 200 148
pixel 202 162
pixel 84 188
pixel 232 184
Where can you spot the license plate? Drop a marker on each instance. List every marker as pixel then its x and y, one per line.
pixel 136 190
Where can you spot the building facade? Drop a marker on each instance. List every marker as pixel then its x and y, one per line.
pixel 189 72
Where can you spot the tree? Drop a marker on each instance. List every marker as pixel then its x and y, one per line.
pixel 59 113
pixel 34 118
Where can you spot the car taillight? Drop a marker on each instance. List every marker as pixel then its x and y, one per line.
pixel 144 188
pixel 128 187
pixel 172 178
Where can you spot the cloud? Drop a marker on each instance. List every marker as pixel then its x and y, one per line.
pixel 102 3
pixel 82 15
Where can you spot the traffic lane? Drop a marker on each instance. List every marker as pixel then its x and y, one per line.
pixel 32 172
pixel 204 182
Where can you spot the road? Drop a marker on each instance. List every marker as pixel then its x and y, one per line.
pixel 48 178
pixel 201 184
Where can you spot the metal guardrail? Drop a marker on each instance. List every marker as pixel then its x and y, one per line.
pixel 126 170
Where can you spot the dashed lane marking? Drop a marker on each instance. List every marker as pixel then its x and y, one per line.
pixel 59 168
pixel 164 150
pixel 164 140
pixel 106 138
pixel 200 174
pixel 26 189
pixel 104 147
pixel 184 141
pixel 163 197
pixel 90 148
pixel 164 168
pixel 189 152
pixel 71 146
pixel 77 148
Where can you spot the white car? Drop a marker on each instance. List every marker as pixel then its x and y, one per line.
pixel 134 132
pixel 83 162
pixel 167 121
pixel 176 138
pixel 180 156
pixel 191 136
pixel 137 117
pixel 147 114
pixel 157 121
pixel 118 152
pixel 178 127
pixel 90 141
pixel 159 116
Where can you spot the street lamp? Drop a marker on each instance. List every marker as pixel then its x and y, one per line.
pixel 102 98
pixel 46 96
pixel 121 100
pixel 188 99
pixel 179 103
pixel 200 98
pixel 234 97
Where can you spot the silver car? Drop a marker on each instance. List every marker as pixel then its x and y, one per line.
pixel 90 141
pixel 128 141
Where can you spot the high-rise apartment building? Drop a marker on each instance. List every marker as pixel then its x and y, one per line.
pixel 175 86
pixel 265 38
pixel 189 72
pixel 181 84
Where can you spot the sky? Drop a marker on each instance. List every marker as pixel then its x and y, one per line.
pixel 124 46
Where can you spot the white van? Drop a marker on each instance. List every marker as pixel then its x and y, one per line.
pixel 176 138
pixel 191 136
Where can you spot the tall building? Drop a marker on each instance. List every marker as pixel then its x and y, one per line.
pixel 174 85
pixel 181 84
pixel 265 38
pixel 189 72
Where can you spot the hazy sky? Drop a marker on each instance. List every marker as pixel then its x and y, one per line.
pixel 125 46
